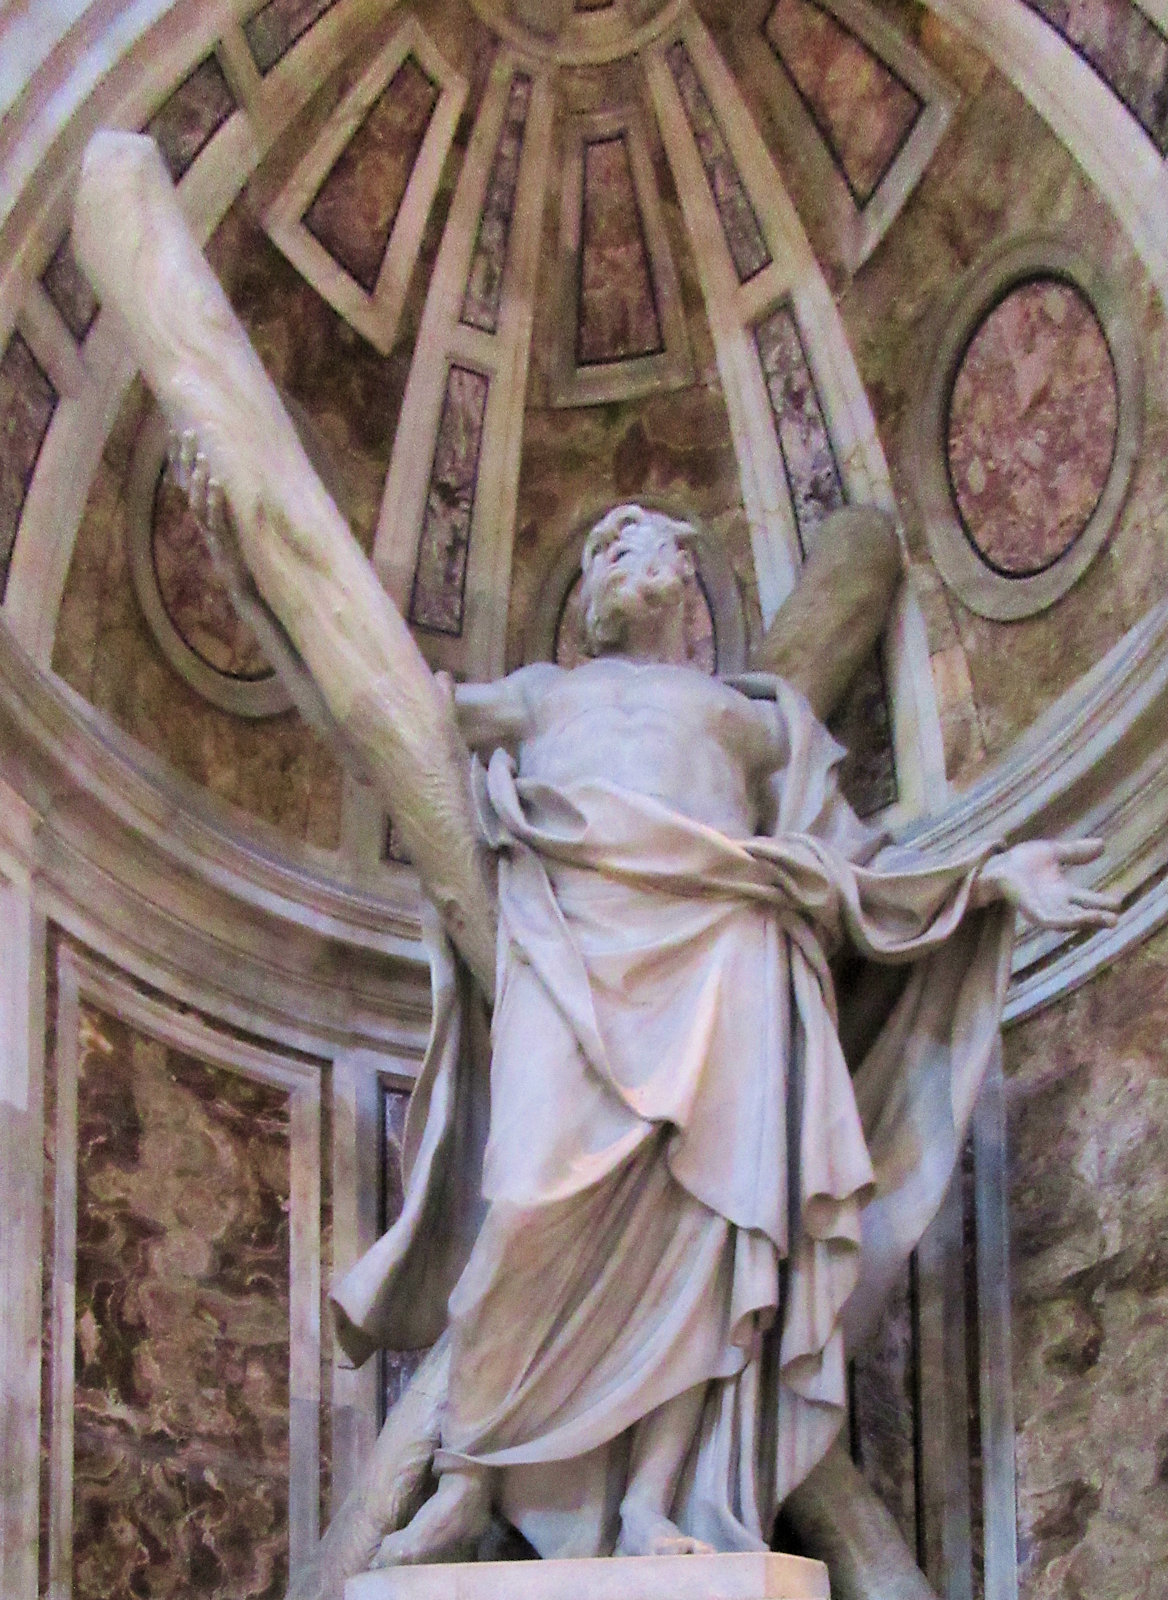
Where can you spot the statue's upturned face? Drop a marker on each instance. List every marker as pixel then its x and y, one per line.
pixel 635 567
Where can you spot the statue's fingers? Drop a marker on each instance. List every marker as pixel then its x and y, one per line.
pixel 216 507
pixel 188 450
pixel 1071 852
pixel 1097 899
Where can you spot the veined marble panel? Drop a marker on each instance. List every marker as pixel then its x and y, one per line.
pixel 186 123
pixel 353 212
pixel 863 109
pixel 181 1449
pixel 1032 423
pixel 1125 47
pixel 438 598
pixel 397 1366
pixel 616 317
pixel 273 29
pixel 484 287
pixel 27 403
pixel 69 290
pixel 740 225
pixel 813 476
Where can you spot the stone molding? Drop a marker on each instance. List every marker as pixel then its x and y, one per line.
pixel 373 314
pixel 1010 264
pixel 575 384
pixel 445 339
pixel 577 38
pixel 856 228
pixel 224 913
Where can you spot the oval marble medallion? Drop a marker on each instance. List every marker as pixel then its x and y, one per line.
pixel 194 596
pixel 1031 426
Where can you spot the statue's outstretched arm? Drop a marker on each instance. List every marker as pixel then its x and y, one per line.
pixel 132 240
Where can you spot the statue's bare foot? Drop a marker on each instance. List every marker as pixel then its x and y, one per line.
pixel 646 1532
pixel 446 1528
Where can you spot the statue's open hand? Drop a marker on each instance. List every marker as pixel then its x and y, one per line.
pixel 1030 876
pixel 204 493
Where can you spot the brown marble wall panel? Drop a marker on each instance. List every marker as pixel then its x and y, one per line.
pixel 484 288
pixel 273 29
pixel 185 124
pixel 193 594
pixel 1088 1165
pixel 1032 426
pixel 1000 172
pixel 616 313
pixel 354 210
pixel 1125 47
pixel 69 290
pixel 181 1412
pixel 437 601
pixel 863 110
pixel 397 1366
pixel 739 224
pixel 27 403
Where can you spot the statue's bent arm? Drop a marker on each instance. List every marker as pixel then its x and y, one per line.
pixel 306 563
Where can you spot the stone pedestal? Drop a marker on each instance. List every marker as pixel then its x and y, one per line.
pixel 734 1577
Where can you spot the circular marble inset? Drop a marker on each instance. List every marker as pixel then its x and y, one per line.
pixel 1031 428
pixel 700 637
pixel 193 595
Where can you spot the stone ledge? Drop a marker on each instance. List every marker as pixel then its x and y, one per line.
pixel 719 1577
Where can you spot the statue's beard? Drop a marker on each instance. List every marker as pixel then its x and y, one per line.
pixel 626 593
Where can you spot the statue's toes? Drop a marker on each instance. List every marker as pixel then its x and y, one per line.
pixel 680 1544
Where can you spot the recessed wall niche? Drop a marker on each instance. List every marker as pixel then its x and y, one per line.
pixel 1025 430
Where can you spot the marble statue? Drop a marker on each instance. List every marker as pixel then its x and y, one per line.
pixel 647 1199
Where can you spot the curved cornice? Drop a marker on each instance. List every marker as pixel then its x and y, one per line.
pixel 160 877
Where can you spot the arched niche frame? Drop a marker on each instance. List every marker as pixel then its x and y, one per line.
pixel 259 696
pixel 715 575
pixel 984 588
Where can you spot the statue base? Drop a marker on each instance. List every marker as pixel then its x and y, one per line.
pixel 729 1577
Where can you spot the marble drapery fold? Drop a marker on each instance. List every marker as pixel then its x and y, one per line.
pixel 678 1183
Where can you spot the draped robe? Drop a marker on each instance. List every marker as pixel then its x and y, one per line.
pixel 661 1174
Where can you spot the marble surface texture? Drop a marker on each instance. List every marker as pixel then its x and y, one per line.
pixel 181 1453
pixel 186 122
pixel 1088 1143
pixel 27 403
pixel 616 311
pixel 859 105
pixel 353 211
pixel 744 238
pixel 69 290
pixel 438 598
pixel 273 29
pixel 484 287
pixel 1032 424
pixel 1126 49
pixel 813 475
